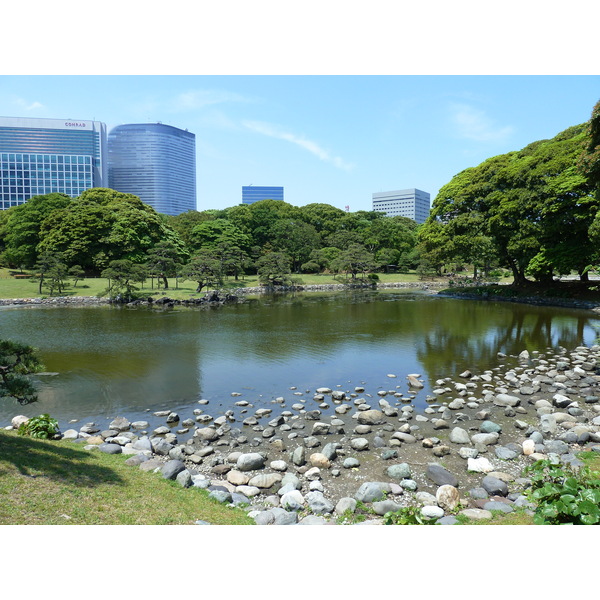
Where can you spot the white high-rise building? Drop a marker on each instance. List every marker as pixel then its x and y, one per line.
pixel 412 203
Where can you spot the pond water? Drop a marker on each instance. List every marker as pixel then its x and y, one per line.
pixel 113 361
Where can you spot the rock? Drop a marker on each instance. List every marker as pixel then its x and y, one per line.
pixel 265 480
pixel 351 463
pixel 345 505
pixel 432 512
pixel 320 428
pixel 207 434
pixel 372 490
pixel 447 497
pixel 318 503
pixel 504 453
pixel 293 500
pixel 459 436
pixel 506 400
pixel 236 477
pixel 250 462
pixel 413 382
pixel 298 456
pixel 484 439
pixel 17 421
pixel 120 424
pixel 479 465
pixel 184 478
pixel 172 468
pixel 319 460
pixel 501 506
pixel 384 506
pixel 370 417
pixel 360 444
pixel 440 475
pixel 110 448
pixel 476 514
pixel 490 427
pixel 494 486
pixel 70 434
pixel 399 471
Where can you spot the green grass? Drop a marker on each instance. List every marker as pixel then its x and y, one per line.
pixel 19 287
pixel 59 483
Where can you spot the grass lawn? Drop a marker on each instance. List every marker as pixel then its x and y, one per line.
pixel 15 285
pixel 59 483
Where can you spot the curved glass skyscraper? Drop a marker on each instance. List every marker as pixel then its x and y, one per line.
pixel 155 162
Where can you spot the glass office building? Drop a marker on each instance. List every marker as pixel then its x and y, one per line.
pixel 412 203
pixel 254 193
pixel 155 162
pixel 41 156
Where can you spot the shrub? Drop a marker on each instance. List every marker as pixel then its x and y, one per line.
pixel 564 494
pixel 42 427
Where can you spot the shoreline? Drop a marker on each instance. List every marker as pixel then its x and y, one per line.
pixel 332 451
pixel 434 288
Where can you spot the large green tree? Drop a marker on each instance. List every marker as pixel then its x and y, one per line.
pixel 103 225
pixel 16 362
pixel 530 209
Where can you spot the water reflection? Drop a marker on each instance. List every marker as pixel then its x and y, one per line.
pixel 120 361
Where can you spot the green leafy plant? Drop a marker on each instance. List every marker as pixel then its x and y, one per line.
pixel 408 515
pixel 563 494
pixel 41 427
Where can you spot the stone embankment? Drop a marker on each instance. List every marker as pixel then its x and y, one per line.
pixel 334 453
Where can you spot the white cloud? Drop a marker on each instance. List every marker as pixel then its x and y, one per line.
pixel 27 105
pixel 312 147
pixel 198 99
pixel 474 124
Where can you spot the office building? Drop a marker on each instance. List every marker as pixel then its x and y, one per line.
pixel 411 203
pixel 254 193
pixel 42 156
pixel 155 162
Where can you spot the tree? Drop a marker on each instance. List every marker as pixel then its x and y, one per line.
pixel 205 270
pixel 77 273
pixel 122 276
pixel 16 361
pixel 51 272
pixel 526 207
pixel 22 225
pixel 103 225
pixel 356 259
pixel 163 260
pixel 296 238
pixel 274 268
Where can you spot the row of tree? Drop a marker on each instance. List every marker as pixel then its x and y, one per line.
pixel 534 211
pixel 61 237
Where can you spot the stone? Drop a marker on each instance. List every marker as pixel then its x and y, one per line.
pixel 184 479
pixel 383 506
pixel 370 417
pixel 120 424
pixel 293 500
pixel 236 477
pixel 476 514
pixel 490 427
pixel 372 490
pixel 479 465
pixel 494 486
pixel 265 480
pixel 298 456
pixel 17 421
pixel 501 506
pixel 319 460
pixel 70 434
pixel 318 503
pixel 110 448
pixel 399 471
pixel 172 468
pixel 485 439
pixel 250 462
pixel 207 434
pixel 447 497
pixel 351 463
pixel 504 453
pixel 320 428
pixel 506 400
pixel 440 475
pixel 459 436
pixel 432 512
pixel 345 505
pixel 360 444
pixel 278 465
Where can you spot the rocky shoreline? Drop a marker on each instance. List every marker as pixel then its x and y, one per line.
pixel 331 454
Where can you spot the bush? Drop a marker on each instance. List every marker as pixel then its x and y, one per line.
pixel 43 427
pixel 564 494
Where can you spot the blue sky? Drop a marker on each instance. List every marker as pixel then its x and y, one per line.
pixel 326 138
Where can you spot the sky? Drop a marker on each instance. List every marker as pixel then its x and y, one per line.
pixel 334 139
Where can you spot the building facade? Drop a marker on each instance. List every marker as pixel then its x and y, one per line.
pixel 42 156
pixel 254 193
pixel 412 203
pixel 155 162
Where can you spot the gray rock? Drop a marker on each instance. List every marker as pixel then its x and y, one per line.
pixel 504 453
pixel 383 506
pixel 120 424
pixel 556 446
pixel 184 478
pixel 351 463
pixel 110 448
pixel 399 471
pixel 494 486
pixel 370 417
pixel 220 495
pixel 345 504
pixel 459 436
pixel 490 427
pixel 360 444
pixel 298 456
pixel 432 512
pixel 172 468
pixel 143 444
pixel 501 506
pixel 286 518
pixel 506 400
pixel 318 503
pixel 372 490
pixel 441 476
pixel 250 462
pixel 292 500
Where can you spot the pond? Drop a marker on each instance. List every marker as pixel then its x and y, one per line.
pixel 116 361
